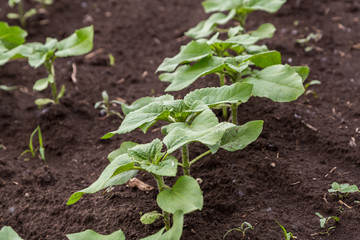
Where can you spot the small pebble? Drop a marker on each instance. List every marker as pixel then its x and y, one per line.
pixel 27 195
pixel 11 209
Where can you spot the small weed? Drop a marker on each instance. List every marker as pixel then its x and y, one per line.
pixel 31 146
pixel 287 235
pixel 105 105
pixel 243 228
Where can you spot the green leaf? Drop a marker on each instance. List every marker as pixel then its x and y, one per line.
pixel 185 196
pixel 167 167
pixel 143 102
pixel 13 16
pixel 175 231
pixel 303 71
pixel 238 92
pixel 41 52
pixel 8 88
pixel 192 52
pixel 242 6
pixel 17 52
pixel 7 233
pixel 186 75
pixel 239 137
pixel 43 83
pixel 265 59
pixel 280 83
pixel 343 188
pixel 265 30
pixel 78 43
pixel 234 31
pixel 43 101
pixel 91 235
pixel 125 146
pixel 243 39
pixel 149 152
pixel 31 12
pixel 205 128
pixel 208 26
pixel 61 92
pixel 155 236
pixel 119 165
pixel 11 37
pixel 150 217
pixel 105 96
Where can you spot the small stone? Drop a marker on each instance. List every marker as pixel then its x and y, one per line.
pixel 27 195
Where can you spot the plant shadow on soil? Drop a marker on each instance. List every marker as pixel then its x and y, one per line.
pixel 284 175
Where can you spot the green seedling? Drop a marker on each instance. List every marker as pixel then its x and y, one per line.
pixel 191 120
pixel 21 15
pixel 44 3
pixel 39 54
pixel 33 150
pixel 183 198
pixel 8 88
pixel 7 233
pixel 111 60
pixel 287 235
pixel 237 10
pixel 106 104
pixel 309 91
pixel 243 228
pixel 324 222
pixel 340 189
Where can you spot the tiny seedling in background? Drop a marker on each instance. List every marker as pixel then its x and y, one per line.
pixel 31 146
pixel 45 3
pixel 111 59
pixel 105 105
pixel 343 189
pixel 243 228
pixel 21 15
pixel 287 235
pixel 8 88
pixel 324 222
pixel 309 91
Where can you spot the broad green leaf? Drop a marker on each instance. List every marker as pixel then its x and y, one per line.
pixel 150 217
pixel 124 147
pixel 242 7
pixel 148 114
pixel 186 75
pixel 208 26
pixel 255 49
pixel 43 83
pixel 280 83
pixel 11 37
pixel 78 43
pixel 185 196
pixel 265 30
pixel 265 59
pixel 155 236
pixel 234 31
pixel 238 92
pixel 343 188
pixel 7 233
pixel 192 52
pixel 143 102
pixel 119 165
pixel 43 101
pixel 91 235
pixel 41 52
pixel 175 231
pixel 17 52
pixel 303 71
pixel 8 88
pixel 239 137
pixel 205 128
pixel 243 39
pixel 150 152
pixel 167 167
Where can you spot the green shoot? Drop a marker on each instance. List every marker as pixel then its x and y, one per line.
pixel 324 222
pixel 33 150
pixel 343 188
pixel 21 15
pixel 287 235
pixel 105 105
pixel 243 228
pixel 111 60
pixel 8 88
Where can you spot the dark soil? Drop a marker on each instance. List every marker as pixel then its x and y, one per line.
pixel 305 146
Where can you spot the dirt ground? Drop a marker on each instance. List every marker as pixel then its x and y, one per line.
pixel 305 146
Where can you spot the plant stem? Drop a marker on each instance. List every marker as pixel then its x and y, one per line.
pixel 234 108
pixel 51 71
pixel 161 186
pixel 21 14
pixel 224 109
pixel 198 157
pixel 185 159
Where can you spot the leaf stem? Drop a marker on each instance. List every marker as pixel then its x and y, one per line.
pixel 198 157
pixel 234 108
pixel 185 159
pixel 161 186
pixel 21 14
pixel 51 71
pixel 222 83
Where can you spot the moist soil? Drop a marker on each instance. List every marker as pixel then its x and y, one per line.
pixel 305 145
